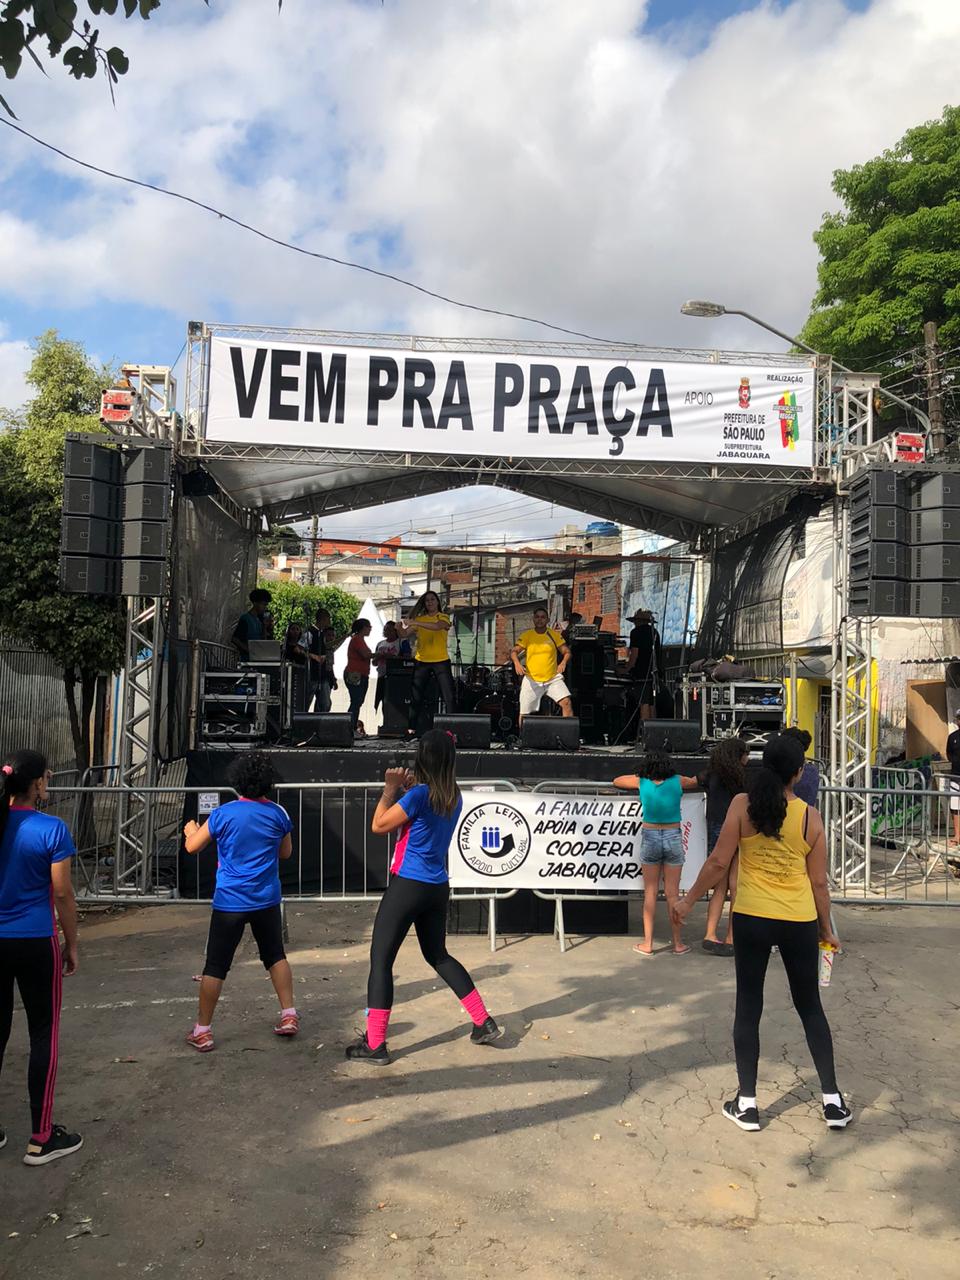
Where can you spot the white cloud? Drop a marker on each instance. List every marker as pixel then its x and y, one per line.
pixel 15 357
pixel 529 155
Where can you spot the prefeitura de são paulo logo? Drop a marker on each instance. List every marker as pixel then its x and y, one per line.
pixel 494 839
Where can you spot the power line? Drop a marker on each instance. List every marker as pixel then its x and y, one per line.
pixel 309 253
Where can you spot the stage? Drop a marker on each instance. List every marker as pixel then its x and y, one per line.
pixel 336 854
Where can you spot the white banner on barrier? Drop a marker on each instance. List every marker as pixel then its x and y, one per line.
pixel 563 842
pixel 508 406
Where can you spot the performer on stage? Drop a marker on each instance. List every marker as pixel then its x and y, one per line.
pixel 546 657
pixel 357 672
pixel 391 646
pixel 783 901
pixel 426 804
pixel 645 660
pixel 252 835
pixel 661 842
pixel 250 625
pixel 35 853
pixel 430 627
pixel 321 646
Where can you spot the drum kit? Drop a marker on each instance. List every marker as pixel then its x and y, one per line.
pixel 494 692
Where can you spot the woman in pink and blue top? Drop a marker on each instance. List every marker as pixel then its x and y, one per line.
pixel 35 853
pixel 426 805
pixel 252 835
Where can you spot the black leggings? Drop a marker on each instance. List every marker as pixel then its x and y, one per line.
pixel 406 903
pixel 423 672
pixel 34 964
pixel 226 930
pixel 753 936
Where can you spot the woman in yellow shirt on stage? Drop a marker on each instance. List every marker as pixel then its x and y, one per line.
pixel 430 628
pixel 782 901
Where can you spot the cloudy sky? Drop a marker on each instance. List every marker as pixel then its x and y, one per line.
pixel 589 164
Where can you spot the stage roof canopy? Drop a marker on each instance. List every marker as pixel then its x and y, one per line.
pixel 682 499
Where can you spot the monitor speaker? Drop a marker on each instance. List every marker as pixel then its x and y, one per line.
pixel 674 736
pixel 470 732
pixel 550 733
pixel 320 729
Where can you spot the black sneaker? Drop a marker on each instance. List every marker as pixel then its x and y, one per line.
pixel 748 1118
pixel 837 1117
pixel 60 1143
pixel 487 1033
pixel 360 1051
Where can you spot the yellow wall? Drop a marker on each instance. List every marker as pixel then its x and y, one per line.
pixel 808 700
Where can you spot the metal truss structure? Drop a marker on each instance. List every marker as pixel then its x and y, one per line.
pixel 153 417
pixel 845 444
pixel 852 678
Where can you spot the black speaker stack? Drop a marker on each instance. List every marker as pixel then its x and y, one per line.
pixel 115 527
pixel 905 543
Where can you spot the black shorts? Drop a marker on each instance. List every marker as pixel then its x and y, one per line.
pixel 226 930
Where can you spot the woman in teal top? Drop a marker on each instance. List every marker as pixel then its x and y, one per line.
pixel 661 844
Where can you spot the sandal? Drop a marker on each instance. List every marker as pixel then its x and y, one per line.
pixel 288 1025
pixel 640 951
pixel 684 949
pixel 712 948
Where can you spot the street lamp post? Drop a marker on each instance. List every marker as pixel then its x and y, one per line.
pixel 712 310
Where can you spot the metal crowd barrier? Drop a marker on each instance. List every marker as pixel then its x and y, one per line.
pixel 559 896
pixel 99 877
pixel 909 857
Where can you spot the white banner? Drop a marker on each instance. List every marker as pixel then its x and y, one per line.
pixel 516 840
pixel 508 405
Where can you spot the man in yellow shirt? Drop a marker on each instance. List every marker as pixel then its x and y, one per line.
pixel 546 660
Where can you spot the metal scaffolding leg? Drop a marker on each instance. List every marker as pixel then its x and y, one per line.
pixel 852 675
pixel 138 763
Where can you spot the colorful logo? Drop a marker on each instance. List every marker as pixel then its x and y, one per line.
pixel 744 393
pixel 789 420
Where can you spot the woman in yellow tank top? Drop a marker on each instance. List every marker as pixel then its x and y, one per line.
pixel 782 901
pixel 430 626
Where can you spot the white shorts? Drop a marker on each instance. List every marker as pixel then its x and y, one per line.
pixel 531 691
pixel 949 784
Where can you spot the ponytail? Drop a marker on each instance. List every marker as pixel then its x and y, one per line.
pixel 18 772
pixel 767 794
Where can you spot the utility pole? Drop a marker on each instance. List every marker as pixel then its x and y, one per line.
pixel 931 350
pixel 312 550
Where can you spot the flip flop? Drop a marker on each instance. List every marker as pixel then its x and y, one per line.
pixel 640 951
pixel 682 952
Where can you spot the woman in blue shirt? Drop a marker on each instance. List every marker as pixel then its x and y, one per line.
pixel 661 841
pixel 35 853
pixel 426 805
pixel 252 835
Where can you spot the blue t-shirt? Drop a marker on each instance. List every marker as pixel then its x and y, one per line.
pixel 248 835
pixel 661 800
pixel 32 843
pixel 421 850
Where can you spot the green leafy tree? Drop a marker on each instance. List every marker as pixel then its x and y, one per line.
pixel 281 540
pixel 297 602
pixel 85 634
pixel 890 259
pixel 61 30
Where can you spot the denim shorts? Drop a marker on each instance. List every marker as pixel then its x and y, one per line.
pixel 713 835
pixel 661 845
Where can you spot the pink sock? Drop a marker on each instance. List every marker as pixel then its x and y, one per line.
pixel 284 1012
pixel 475 1007
pixel 198 1030
pixel 377 1020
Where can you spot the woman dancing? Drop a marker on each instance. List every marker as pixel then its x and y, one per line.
pixel 35 853
pixel 661 844
pixel 430 627
pixel 782 901
pixel 252 835
pixel 724 778
pixel 426 805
